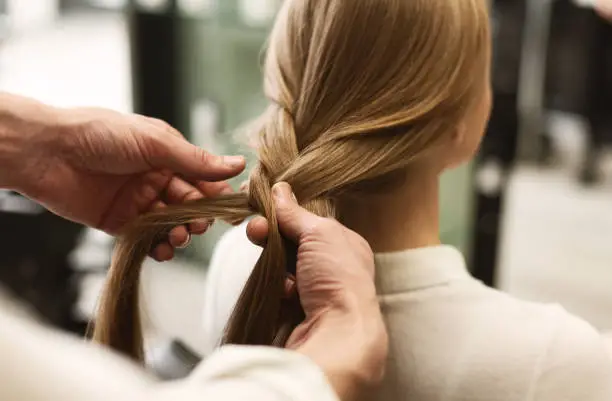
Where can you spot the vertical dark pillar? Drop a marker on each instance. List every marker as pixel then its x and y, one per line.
pixel 493 166
pixel 160 91
pixel 498 151
pixel 156 61
pixel 4 26
pixel 598 96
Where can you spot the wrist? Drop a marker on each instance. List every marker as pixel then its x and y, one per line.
pixel 351 349
pixel 27 136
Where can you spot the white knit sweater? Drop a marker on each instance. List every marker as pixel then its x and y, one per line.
pixel 37 364
pixel 451 338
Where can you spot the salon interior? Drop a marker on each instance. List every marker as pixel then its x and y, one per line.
pixel 533 213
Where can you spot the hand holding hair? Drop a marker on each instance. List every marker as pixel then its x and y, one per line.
pixel 343 331
pixel 103 168
pixel 337 320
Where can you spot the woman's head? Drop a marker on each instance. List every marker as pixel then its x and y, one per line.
pixel 359 91
pixel 364 88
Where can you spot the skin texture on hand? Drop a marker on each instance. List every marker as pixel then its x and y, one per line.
pixel 344 331
pixel 103 169
pixel 604 9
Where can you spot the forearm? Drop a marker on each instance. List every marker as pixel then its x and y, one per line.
pixel 23 125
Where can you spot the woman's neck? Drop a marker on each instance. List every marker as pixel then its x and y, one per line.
pixel 405 219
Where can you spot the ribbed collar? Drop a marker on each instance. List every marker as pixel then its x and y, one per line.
pixel 414 269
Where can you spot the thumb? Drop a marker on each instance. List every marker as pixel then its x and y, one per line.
pixel 293 220
pixel 180 156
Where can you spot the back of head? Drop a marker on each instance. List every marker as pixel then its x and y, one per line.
pixel 358 91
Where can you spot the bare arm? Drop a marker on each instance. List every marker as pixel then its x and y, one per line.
pixel 21 119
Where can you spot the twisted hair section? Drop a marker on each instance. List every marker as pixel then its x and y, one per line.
pixel 359 90
pixel 117 323
pixel 263 314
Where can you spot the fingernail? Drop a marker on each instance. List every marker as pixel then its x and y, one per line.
pixel 227 191
pixel 208 226
pixel 290 286
pixel 234 161
pixel 277 190
pixel 281 190
pixel 186 243
pixel 199 226
pixel 244 187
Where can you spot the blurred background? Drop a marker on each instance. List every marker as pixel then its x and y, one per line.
pixel 533 214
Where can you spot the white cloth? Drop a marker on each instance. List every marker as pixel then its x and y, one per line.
pixel 452 338
pixel 587 3
pixel 37 364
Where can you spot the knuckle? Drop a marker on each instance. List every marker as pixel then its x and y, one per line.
pixel 97 126
pixel 164 126
pixel 149 193
pixel 202 156
pixel 328 226
pixel 364 245
pixel 312 231
pixel 319 228
pixel 156 121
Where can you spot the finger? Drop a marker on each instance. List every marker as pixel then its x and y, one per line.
pixel 244 187
pixel 164 126
pixel 200 226
pixel 173 151
pixel 191 161
pixel 293 220
pixel 237 222
pixel 290 287
pixel 180 191
pixel 257 231
pixel 163 252
pixel 208 189
pixel 213 189
pixel 179 237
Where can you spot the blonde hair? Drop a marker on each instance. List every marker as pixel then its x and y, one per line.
pixel 358 90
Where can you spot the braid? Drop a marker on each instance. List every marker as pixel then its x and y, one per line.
pixel 262 316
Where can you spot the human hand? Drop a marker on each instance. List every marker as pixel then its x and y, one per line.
pixel 103 168
pixel 343 331
pixel 604 9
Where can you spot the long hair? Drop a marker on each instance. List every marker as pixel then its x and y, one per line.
pixel 358 90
